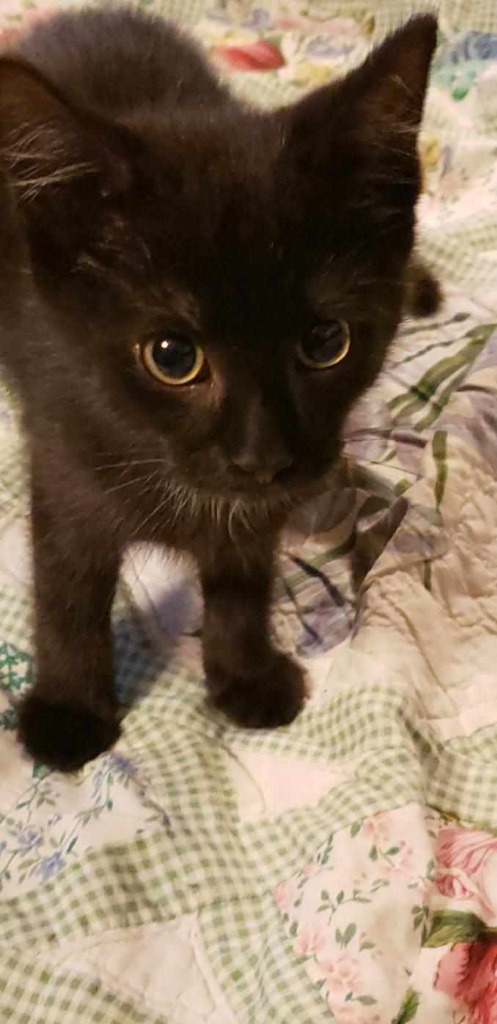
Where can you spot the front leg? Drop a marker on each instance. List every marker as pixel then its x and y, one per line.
pixel 70 716
pixel 248 678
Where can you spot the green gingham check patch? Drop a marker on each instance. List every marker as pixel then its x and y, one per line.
pixel 193 822
pixel 44 995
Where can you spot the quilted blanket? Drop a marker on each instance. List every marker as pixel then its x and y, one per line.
pixel 345 868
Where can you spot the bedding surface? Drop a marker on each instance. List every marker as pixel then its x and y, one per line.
pixel 343 869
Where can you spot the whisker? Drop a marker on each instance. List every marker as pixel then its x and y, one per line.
pixel 130 483
pixel 129 463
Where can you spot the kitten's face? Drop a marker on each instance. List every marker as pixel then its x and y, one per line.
pixel 227 288
pixel 251 327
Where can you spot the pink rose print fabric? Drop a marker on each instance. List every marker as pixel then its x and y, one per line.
pixel 468 974
pixel 343 870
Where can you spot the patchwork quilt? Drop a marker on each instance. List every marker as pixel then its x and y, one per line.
pixel 343 869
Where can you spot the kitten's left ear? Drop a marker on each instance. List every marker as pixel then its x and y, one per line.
pixel 392 82
pixel 60 161
pixel 376 108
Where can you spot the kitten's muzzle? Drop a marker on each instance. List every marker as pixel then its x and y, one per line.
pixel 264 468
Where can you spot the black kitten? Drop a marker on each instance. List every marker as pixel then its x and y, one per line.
pixel 194 292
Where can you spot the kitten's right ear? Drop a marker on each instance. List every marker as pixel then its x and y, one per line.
pixel 54 154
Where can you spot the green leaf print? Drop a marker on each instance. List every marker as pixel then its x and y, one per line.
pixel 8 719
pixel 451 926
pixel 15 668
pixel 348 934
pixel 427 574
pixel 439 448
pixel 425 389
pixel 441 401
pixel 408 1009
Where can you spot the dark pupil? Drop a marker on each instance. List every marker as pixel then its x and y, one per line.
pixel 175 357
pixel 325 342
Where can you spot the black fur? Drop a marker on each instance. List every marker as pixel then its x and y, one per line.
pixel 141 200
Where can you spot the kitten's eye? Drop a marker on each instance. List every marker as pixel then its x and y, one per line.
pixel 327 344
pixel 173 360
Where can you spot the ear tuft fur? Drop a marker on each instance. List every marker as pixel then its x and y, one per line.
pixel 47 147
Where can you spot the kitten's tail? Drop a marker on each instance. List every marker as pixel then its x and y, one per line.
pixel 423 296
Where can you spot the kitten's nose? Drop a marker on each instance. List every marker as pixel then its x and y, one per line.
pixel 255 441
pixel 265 467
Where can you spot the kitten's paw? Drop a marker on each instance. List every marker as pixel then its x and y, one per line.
pixel 262 701
pixel 62 737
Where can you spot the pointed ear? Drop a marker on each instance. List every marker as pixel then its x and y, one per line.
pixel 371 118
pixel 60 161
pixel 392 82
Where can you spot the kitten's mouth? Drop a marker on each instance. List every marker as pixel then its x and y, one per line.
pixel 289 489
pixel 243 497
